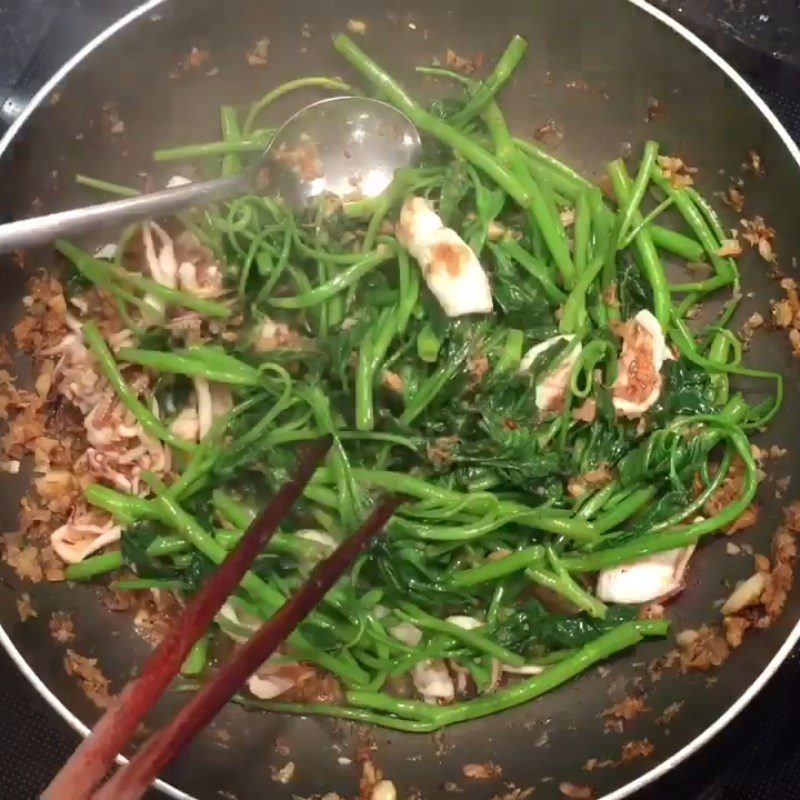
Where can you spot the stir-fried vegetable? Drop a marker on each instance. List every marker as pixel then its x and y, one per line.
pixel 492 338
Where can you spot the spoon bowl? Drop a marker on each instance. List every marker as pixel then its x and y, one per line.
pixel 346 147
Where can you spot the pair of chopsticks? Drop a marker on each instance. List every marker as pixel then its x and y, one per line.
pixel 95 756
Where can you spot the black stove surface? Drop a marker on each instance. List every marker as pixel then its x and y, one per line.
pixel 758 756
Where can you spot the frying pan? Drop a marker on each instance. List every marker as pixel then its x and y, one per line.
pixel 592 68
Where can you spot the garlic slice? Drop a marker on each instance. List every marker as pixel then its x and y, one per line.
pixel 433 681
pixel 177 180
pixel 747 593
pixel 644 350
pixel 214 400
pixel 467 623
pixel 657 575
pixel 276 676
pixel 78 539
pixel 552 388
pixel 451 270
pixel 406 633
pixel 324 545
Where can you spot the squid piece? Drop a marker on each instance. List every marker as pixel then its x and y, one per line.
pixel 109 423
pixel 644 350
pixel 209 402
pixel 271 335
pixel 462 674
pixel 214 400
pixel 326 544
pixel 205 414
pixel 433 681
pixel 75 375
pixel 431 678
pixel 451 270
pixel 467 623
pixel 185 263
pixel 106 252
pixel 384 790
pixel 277 674
pixel 406 633
pixel 121 465
pixel 163 264
pixel 201 281
pixel 658 576
pixel 199 273
pixel 525 669
pixel 244 623
pixel 498 667
pixel 119 449
pixel 81 537
pixel 275 677
pixel 551 390
pixel 177 180
pixel 186 424
pixel 124 338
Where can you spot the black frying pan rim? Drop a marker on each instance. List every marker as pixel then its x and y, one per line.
pixel 791 640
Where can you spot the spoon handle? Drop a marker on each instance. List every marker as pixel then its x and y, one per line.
pixel 41 230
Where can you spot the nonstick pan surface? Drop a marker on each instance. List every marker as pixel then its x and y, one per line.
pixel 592 68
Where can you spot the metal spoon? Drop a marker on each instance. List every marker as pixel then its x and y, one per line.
pixel 349 147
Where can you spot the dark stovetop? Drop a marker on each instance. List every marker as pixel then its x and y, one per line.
pixel 758 756
pixel 761 38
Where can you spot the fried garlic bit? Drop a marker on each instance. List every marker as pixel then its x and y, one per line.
pixel 450 268
pixel 760 235
pixel 676 171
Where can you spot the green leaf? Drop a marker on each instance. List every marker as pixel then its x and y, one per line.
pixel 455 187
pixel 134 542
pixel 409 573
pixel 531 626
pixel 633 289
pixel 687 390
pixel 521 300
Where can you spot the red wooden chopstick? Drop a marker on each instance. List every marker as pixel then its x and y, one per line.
pixel 132 780
pixel 91 761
